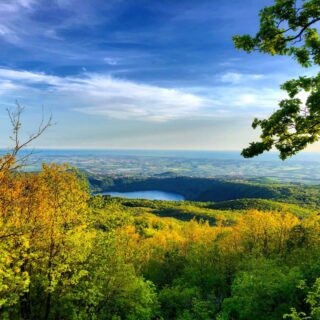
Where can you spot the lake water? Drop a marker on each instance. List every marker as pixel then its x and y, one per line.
pixel 149 195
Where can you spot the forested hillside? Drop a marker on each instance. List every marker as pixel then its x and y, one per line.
pixel 68 255
pixel 201 189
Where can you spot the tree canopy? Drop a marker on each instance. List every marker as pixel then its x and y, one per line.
pixel 289 27
pixel 65 254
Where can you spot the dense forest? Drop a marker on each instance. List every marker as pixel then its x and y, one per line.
pixel 202 189
pixel 68 255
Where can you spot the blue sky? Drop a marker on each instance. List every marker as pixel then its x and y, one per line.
pixel 137 74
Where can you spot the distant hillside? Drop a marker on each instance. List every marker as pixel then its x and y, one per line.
pixel 205 211
pixel 216 190
pixel 261 205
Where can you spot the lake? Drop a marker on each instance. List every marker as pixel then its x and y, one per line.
pixel 149 195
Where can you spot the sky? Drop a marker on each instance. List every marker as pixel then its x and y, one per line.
pixel 137 74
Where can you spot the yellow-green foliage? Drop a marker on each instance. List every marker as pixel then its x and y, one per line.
pixel 65 255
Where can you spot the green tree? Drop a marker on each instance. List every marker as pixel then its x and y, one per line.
pixel 312 300
pixel 111 288
pixel 264 291
pixel 289 27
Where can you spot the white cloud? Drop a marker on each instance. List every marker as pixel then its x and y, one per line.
pixel 237 78
pixel 4 30
pixel 231 77
pixel 19 26
pixel 28 77
pixel 107 96
pixel 111 61
pixel 7 86
pixel 120 99
pixel 26 3
pixel 246 99
pixel 243 101
pixel 14 20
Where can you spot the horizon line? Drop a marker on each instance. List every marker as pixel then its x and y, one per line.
pixel 144 149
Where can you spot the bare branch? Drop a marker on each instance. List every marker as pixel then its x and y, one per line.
pixel 15 119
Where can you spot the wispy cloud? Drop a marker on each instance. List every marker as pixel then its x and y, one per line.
pixel 105 96
pixel 21 21
pixel 7 86
pixel 27 77
pixel 13 14
pixel 236 77
pixel 247 101
pixel 127 100
pixel 112 61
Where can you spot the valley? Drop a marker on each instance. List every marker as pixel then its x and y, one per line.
pixel 210 189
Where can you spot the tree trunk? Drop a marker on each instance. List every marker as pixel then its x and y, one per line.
pixel 48 306
pixel 25 307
